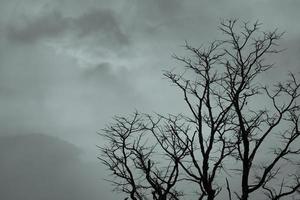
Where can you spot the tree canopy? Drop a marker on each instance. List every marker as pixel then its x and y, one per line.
pixel 238 138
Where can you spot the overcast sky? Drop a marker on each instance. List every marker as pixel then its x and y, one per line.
pixel 68 66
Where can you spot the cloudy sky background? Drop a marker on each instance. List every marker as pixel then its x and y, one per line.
pixel 68 66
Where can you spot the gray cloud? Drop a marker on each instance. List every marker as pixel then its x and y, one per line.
pixel 46 92
pixel 103 21
pixel 159 9
pixel 98 24
pixel 68 66
pixel 39 167
pixel 31 30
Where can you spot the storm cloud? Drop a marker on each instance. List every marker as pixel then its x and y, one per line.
pixel 100 23
pixel 41 167
pixel 68 66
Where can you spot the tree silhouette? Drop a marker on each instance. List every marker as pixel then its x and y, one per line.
pixel 239 135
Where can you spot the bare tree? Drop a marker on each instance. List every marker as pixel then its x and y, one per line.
pixel 233 116
pixel 257 124
pixel 136 161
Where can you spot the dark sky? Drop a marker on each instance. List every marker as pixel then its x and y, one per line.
pixel 68 66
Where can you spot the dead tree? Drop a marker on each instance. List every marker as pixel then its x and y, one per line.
pixel 136 163
pixel 232 116
pixel 211 118
pixel 276 118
